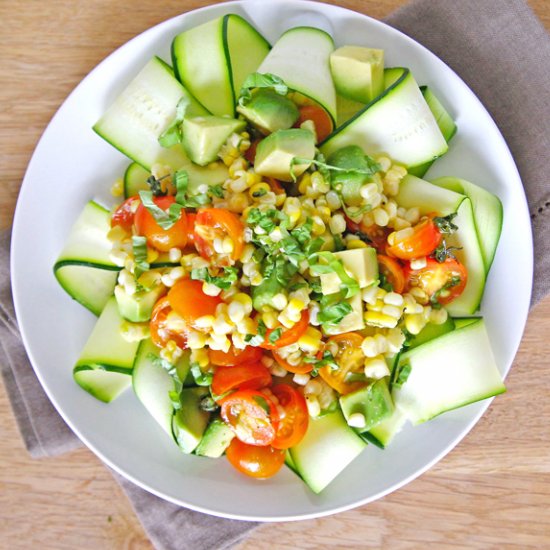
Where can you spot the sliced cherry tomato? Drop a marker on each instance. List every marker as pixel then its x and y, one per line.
pixel 254 461
pixel 190 302
pixel 376 234
pixel 393 272
pixel 350 360
pixel 218 223
pixel 442 282
pixel 423 240
pixel 191 219
pixel 160 333
pixel 276 186
pixel 321 119
pixel 250 154
pixel 251 415
pixel 250 376
pixel 124 214
pixel 235 356
pixel 301 368
pixel 288 336
pixel 294 421
pixel 157 237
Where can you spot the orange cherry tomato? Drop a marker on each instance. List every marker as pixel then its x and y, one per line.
pixel 376 234
pixel 441 281
pixel 423 240
pixel 157 237
pixel 254 461
pixel 276 186
pixel 235 356
pixel 321 119
pixel 393 272
pixel 189 301
pixel 218 223
pixel 302 368
pixel 251 415
pixel 294 421
pixel 288 336
pixel 250 376
pixel 124 214
pixel 191 218
pixel 160 333
pixel 350 360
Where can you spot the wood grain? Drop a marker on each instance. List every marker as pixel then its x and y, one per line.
pixel 492 491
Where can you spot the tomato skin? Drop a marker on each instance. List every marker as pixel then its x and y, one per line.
pixel 425 239
pixel 350 359
pixel 249 376
pixel 157 237
pixel 160 334
pixel 321 119
pixel 302 368
pixel 125 213
pixel 189 301
pixel 191 219
pixel 254 461
pixel 288 336
pixel 233 357
pixel 212 223
pixel 294 423
pixel 251 423
pixel 435 276
pixel 393 271
pixel 250 153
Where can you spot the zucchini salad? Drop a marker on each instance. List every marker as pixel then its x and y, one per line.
pixel 276 282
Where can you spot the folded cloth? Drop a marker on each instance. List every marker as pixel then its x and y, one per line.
pixel 501 50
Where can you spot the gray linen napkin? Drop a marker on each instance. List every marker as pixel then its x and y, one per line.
pixel 501 50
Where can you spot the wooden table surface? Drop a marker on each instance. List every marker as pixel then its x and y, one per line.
pixel 492 491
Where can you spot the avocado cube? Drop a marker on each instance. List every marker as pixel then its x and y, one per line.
pixel 204 136
pixel 360 263
pixel 358 72
pixel 274 154
pixel 137 307
pixel 190 421
pixel 216 439
pixel 269 111
pixel 374 402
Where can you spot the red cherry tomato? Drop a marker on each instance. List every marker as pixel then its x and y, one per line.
pixel 294 421
pixel 254 461
pixel 321 119
pixel 424 238
pixel 218 223
pixel 442 282
pixel 251 376
pixel 392 271
pixel 124 214
pixel 288 336
pixel 189 301
pixel 160 333
pixel 235 356
pixel 157 237
pixel 251 415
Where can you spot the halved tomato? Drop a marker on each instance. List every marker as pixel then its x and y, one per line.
pixel 321 119
pixel 392 271
pixel 424 238
pixel 288 336
pixel 190 302
pixel 218 223
pixel 254 461
pixel 350 360
pixel 157 237
pixel 301 368
pixel 441 281
pixel 251 376
pixel 294 421
pixel 251 415
pixel 160 333
pixel 125 213
pixel 235 356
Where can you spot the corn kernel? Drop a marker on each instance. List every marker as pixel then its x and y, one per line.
pixel 279 301
pixel 258 190
pixel 318 226
pixel 310 341
pixel 392 311
pixel 393 299
pixel 357 420
pixel 353 244
pixel 337 224
pixel 200 356
pixel 210 289
pixel 379 319
pixel 333 200
pixel 117 189
pixel 418 263
pixel 117 234
pixel 276 370
pixel 376 368
pixel 205 322
pixel 313 406
pixel 369 294
pixel 369 347
pixel 415 322
pixel 134 332
pixel 301 379
pixel 195 339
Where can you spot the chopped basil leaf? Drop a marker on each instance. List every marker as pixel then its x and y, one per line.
pixel 445 224
pixel 217 190
pixel 402 375
pixel 165 218
pixel 201 378
pixel 334 313
pixel 275 335
pixel 173 134
pixel 230 275
pixel 139 247
pixel 262 402
pixel 259 80
pixel 348 284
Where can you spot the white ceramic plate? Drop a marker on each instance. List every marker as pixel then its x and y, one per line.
pixel 72 165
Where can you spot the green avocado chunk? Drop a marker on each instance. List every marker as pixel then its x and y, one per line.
pixel 204 136
pixel 216 439
pixel 275 153
pixel 374 402
pixel 137 307
pixel 190 421
pixel 269 111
